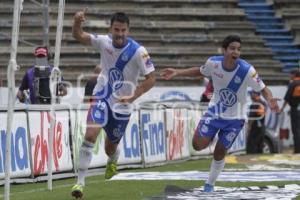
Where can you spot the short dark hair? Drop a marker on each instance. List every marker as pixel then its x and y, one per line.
pixel 120 17
pixel 231 38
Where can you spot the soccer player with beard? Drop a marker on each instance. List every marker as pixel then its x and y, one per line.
pixel 226 112
pixel 122 61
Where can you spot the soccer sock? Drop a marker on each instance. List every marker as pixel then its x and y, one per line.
pixel 215 169
pixel 114 157
pixel 85 157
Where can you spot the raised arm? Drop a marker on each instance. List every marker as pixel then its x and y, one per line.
pixel 169 73
pixel 267 94
pixel 78 33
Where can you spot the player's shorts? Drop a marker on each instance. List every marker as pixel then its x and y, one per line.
pixel 113 123
pixel 227 129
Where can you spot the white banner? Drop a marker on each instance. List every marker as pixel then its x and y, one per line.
pixel 39 123
pixel 20 154
pixel 130 148
pixel 78 123
pixel 177 134
pixel 154 136
pixel 193 120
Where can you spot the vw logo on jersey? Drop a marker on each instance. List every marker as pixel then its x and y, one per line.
pixel 115 78
pixel 227 97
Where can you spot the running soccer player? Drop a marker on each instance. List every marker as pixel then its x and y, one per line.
pixel 122 61
pixel 226 112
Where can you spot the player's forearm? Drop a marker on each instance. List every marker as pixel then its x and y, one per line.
pixel 78 33
pixel 145 86
pixel 77 30
pixel 267 94
pixel 193 71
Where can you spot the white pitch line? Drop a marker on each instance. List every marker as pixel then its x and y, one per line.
pixel 45 189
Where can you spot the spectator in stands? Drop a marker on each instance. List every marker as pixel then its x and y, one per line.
pixel 34 88
pixel 292 97
pixel 230 76
pixel 256 124
pixel 208 92
pixel 122 60
pixel 90 85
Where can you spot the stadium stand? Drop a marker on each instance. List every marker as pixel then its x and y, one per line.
pixel 273 30
pixel 289 11
pixel 177 33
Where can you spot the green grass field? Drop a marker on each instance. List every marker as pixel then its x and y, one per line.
pixel 97 188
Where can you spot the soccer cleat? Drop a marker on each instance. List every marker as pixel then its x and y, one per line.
pixel 208 188
pixel 77 191
pixel 111 170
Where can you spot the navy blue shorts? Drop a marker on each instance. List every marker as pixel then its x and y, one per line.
pixel 113 123
pixel 227 129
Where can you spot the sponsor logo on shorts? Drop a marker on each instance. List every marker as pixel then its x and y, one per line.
pixel 116 132
pixel 204 129
pixel 230 136
pixel 97 114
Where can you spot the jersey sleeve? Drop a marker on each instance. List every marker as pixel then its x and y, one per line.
pixel 97 40
pixel 254 81
pixel 206 68
pixel 144 61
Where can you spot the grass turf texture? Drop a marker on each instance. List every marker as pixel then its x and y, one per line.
pixel 98 188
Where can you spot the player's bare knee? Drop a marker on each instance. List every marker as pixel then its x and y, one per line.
pixel 219 153
pixel 198 146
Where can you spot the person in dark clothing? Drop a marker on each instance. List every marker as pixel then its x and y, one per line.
pixel 256 126
pixel 90 85
pixel 207 94
pixel 292 97
pixel 35 82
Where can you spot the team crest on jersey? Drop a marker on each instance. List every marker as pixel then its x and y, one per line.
pixel 227 97
pixel 237 80
pixel 125 57
pixel 115 78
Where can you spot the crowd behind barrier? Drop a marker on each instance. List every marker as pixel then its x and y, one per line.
pixel 156 134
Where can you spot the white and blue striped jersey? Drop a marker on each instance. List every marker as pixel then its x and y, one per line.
pixel 230 87
pixel 120 68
